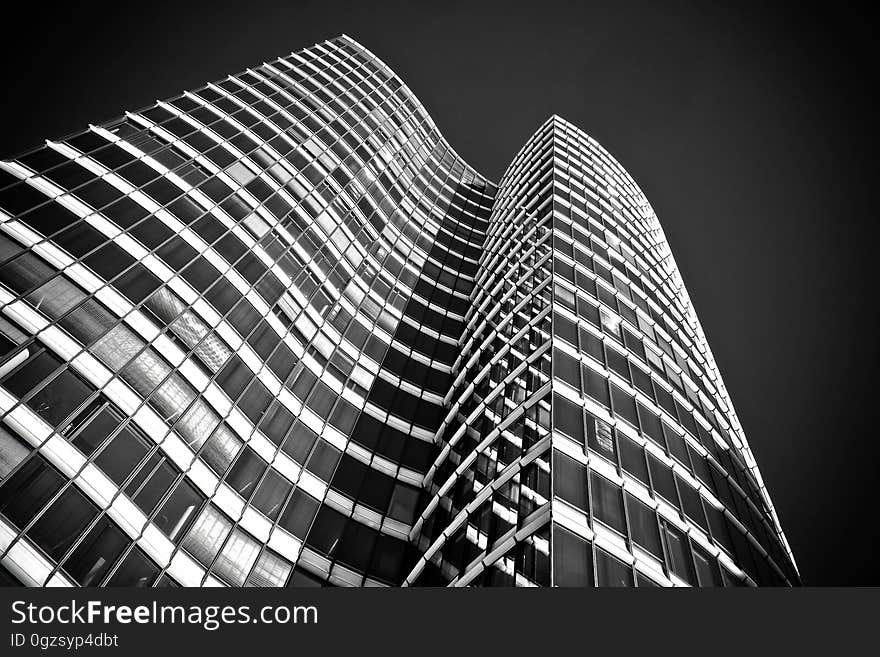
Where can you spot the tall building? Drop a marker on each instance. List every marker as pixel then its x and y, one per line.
pixel 276 332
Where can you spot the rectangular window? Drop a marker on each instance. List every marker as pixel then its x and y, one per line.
pixel 661 477
pixel 61 524
pixel 607 506
pixel 632 459
pixel 601 438
pixel 270 570
pixel 643 526
pixel 610 571
pixel 237 558
pixel 299 513
pixel 568 418
pixel 246 473
pixel 624 405
pixel 271 494
pixel 678 553
pixel 96 554
pixel 136 570
pixel 207 535
pixel 571 559
pixel 13 451
pixel 570 480
pixel 122 455
pixel 179 510
pixel 24 493
pixel 595 385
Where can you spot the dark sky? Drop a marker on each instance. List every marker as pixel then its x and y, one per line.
pixel 747 128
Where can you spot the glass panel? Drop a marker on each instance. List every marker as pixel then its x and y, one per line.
pixel 25 493
pixel 179 510
pixel 207 535
pixel 62 523
pixel 299 513
pixel 13 451
pixel 607 502
pixel 97 553
pixel 570 480
pixel 571 559
pixel 270 570
pixel 643 526
pixel 237 558
pixel 610 571
pixel 137 570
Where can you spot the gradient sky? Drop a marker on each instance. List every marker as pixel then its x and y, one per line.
pixel 747 129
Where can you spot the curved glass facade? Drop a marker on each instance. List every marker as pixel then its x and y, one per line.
pixel 275 332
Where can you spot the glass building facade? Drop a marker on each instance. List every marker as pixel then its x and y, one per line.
pixel 276 332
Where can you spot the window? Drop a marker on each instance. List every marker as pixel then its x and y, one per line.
pixel 595 385
pixel 136 570
pixel 221 448
pixel 12 452
pixel 403 503
pixel 691 504
pixel 179 510
pixel 59 398
pixel 610 571
pixel 678 553
pixel 96 554
pixel 610 323
pixel 377 490
pixel 196 425
pixel 299 513
pixel 356 545
pixel 207 535
pixel 26 492
pixel 570 480
pixel 601 438
pixel 276 423
pixel 388 558
pixel 300 440
pixel 323 460
pixel 654 359
pixel 88 322
pixel 122 455
pixel 566 369
pixel 56 297
pixel 568 418
pixel 255 401
pixel 650 425
pixel 27 377
pixel 159 474
pixel 677 445
pixel 246 473
pixel 270 570
pixel 571 559
pixel 237 558
pixel 61 524
pixel 661 477
pixel 607 504
pixel 326 531
pixel 565 329
pixel 591 345
pixel 707 569
pixel 643 526
pixel 271 494
pixel 617 362
pixel 321 400
pixel 632 459
pixel 624 405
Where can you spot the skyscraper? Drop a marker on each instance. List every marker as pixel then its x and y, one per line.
pixel 275 331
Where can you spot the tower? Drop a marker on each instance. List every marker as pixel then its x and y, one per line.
pixel 275 331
